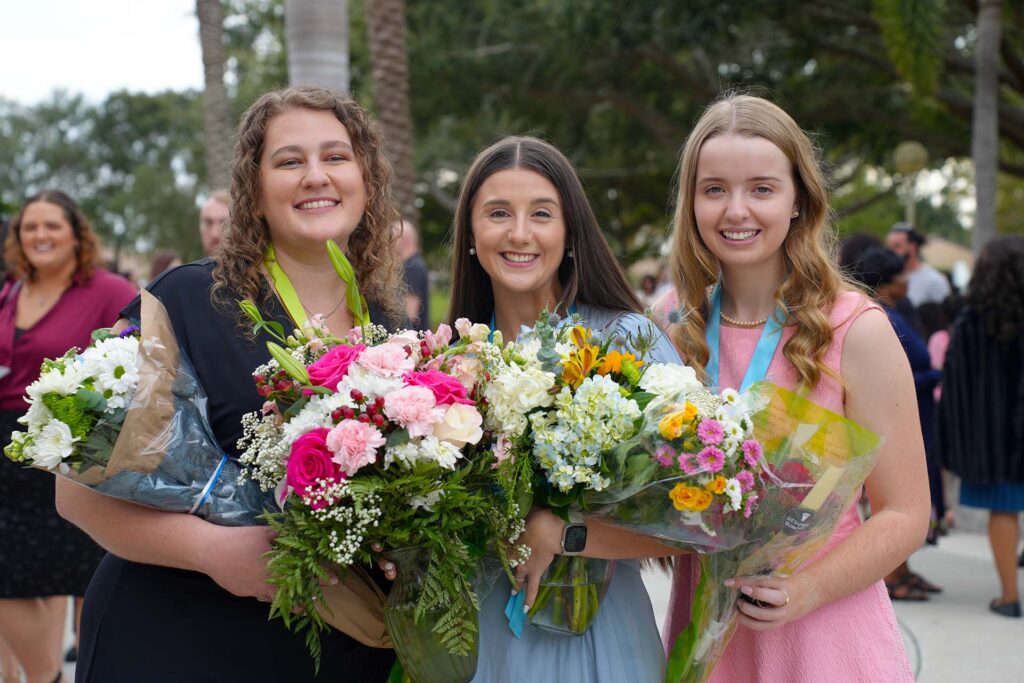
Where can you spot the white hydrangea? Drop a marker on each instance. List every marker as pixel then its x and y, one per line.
pixel 512 393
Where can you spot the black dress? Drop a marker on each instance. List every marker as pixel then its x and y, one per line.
pixel 161 625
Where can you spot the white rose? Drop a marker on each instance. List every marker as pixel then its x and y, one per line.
pixel 461 425
pixel 53 444
pixel 479 332
pixel 668 380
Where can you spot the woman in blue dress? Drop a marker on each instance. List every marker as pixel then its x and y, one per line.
pixel 526 240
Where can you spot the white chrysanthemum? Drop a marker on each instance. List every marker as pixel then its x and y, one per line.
pixel 426 502
pixel 407 454
pixel 443 453
pixel 37 417
pixel 64 382
pixel 52 445
pixel 735 494
pixel 369 383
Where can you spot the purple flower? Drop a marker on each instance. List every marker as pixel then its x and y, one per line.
pixel 746 480
pixel 752 452
pixel 128 331
pixel 711 432
pixel 665 455
pixel 711 459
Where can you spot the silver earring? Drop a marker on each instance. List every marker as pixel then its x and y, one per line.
pixel 569 253
pixel 472 251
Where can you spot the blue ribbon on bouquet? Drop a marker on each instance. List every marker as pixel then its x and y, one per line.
pixel 767 344
pixel 515 612
pixel 205 493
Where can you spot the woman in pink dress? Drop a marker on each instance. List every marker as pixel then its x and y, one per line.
pixel 752 241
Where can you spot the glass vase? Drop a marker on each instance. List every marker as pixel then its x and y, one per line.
pixel 423 657
pixel 570 594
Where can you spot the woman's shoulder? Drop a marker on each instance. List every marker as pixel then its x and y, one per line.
pixel 627 327
pixel 104 281
pixel 185 279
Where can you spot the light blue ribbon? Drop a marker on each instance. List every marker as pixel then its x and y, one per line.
pixel 209 486
pixel 515 612
pixel 767 344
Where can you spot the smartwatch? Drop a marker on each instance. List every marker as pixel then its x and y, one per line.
pixel 574 534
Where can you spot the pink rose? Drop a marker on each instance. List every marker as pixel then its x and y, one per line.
pixel 467 370
pixel 389 360
pixel 415 409
pixel 333 366
pixel 354 445
pixel 309 461
pixel 447 389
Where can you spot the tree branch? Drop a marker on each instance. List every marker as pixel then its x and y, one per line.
pixel 848 211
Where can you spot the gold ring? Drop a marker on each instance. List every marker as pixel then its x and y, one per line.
pixel 787 599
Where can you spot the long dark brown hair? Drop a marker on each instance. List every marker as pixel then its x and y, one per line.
pixel 371 247
pixel 86 248
pixel 996 292
pixel 593 276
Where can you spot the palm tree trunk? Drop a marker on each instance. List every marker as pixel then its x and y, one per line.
pixel 386 29
pixel 317 35
pixel 985 125
pixel 216 111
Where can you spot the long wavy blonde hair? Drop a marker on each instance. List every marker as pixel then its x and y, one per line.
pixel 372 250
pixel 812 278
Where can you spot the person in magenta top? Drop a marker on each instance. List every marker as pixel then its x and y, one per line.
pixel 55 300
pixel 751 224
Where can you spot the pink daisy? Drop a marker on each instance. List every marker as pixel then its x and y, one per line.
pixel 711 459
pixel 710 432
pixel 687 464
pixel 665 455
pixel 752 452
pixel 746 480
pixel 749 508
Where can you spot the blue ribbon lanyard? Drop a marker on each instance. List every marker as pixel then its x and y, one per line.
pixel 494 324
pixel 767 344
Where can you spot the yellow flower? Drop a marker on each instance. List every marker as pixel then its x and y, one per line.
pixel 701 500
pixel 613 362
pixel 682 497
pixel 674 425
pixel 580 364
pixel 716 485
pixel 580 336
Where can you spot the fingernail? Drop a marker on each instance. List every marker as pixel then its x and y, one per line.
pixel 389 566
pixel 730 583
pixel 747 590
pixel 526 609
pixel 514 592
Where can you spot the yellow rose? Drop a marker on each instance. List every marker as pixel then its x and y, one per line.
pixel 689 412
pixel 701 500
pixel 682 497
pixel 716 485
pixel 675 424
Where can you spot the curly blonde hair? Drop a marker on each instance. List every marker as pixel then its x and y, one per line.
pixel 813 280
pixel 87 245
pixel 238 273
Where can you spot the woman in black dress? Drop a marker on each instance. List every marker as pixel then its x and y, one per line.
pixel 180 599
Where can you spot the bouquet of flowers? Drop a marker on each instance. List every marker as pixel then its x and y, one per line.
pixel 559 399
pixel 376 441
pixel 127 418
pixel 754 482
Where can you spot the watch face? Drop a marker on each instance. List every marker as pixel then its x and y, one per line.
pixel 575 539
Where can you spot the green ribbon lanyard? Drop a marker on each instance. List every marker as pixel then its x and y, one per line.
pixel 284 287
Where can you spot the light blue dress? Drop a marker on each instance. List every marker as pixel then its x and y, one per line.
pixel 623 644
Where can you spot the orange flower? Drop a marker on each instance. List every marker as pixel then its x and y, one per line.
pixel 580 336
pixel 716 485
pixel 580 364
pixel 613 362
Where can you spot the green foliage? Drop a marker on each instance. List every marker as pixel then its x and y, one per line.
pixel 70 411
pixel 913 31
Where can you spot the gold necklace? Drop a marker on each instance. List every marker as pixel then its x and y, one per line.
pixel 741 323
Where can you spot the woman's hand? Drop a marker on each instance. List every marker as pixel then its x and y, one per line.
pixel 543 536
pixel 389 568
pixel 780 600
pixel 237 560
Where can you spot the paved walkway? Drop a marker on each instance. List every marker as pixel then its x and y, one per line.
pixel 952 637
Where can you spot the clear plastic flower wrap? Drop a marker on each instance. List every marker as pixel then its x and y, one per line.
pixel 808 466
pixel 127 418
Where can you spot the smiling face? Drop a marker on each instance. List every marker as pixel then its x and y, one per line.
pixel 519 234
pixel 744 200
pixel 47 238
pixel 311 184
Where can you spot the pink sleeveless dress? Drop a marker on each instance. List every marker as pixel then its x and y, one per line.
pixel 852 639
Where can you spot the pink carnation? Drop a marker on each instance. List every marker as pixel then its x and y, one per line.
pixel 710 432
pixel 752 452
pixel 389 360
pixel 447 389
pixel 711 459
pixel 414 408
pixel 665 455
pixel 354 445
pixel 746 480
pixel 333 366
pixel 748 509
pixel 310 461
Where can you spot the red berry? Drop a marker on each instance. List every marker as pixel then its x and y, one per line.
pixel 283 385
pixel 379 402
pixel 371 409
pixel 347 413
pixel 264 390
pixel 260 379
pixel 336 414
pixel 378 420
pixel 356 395
pixel 364 418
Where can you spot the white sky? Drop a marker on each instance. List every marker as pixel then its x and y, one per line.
pixel 95 47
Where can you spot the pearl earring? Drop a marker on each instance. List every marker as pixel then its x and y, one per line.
pixel 796 214
pixel 568 252
pixel 472 251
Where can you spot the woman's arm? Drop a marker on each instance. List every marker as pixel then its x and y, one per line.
pixel 231 556
pixel 880 396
